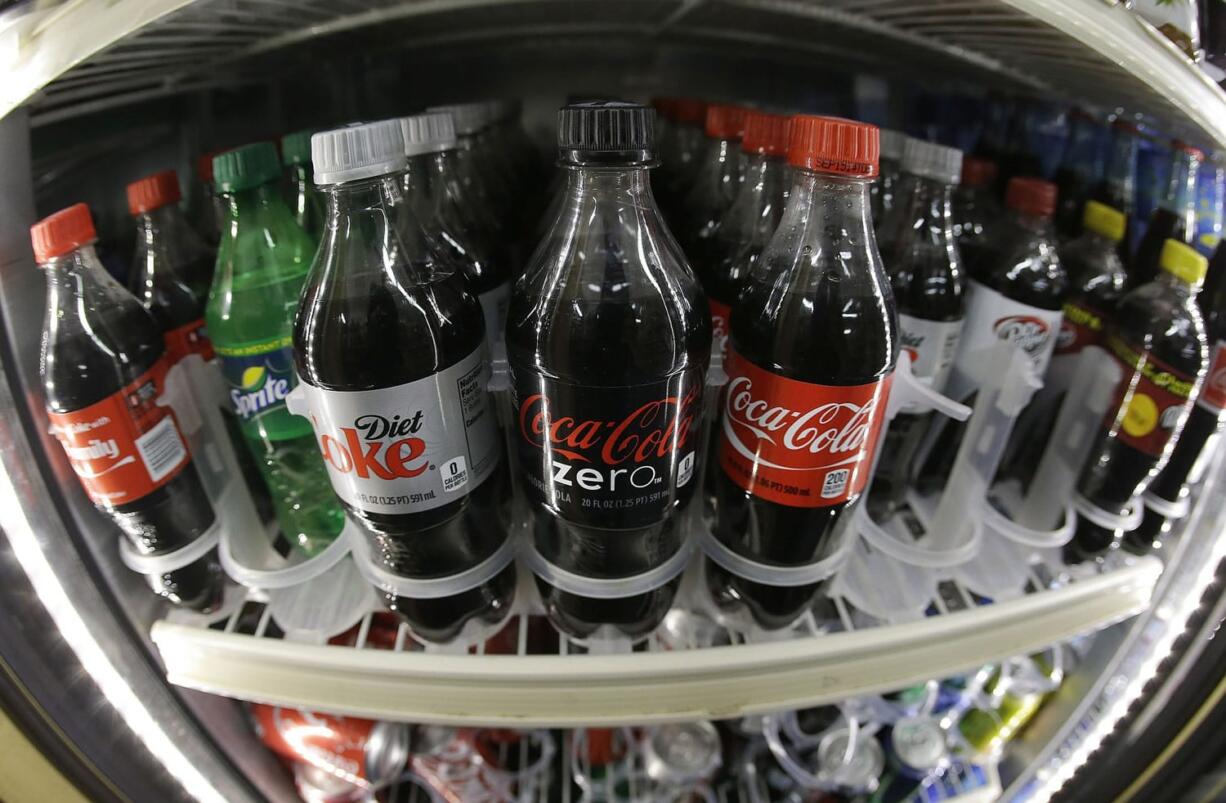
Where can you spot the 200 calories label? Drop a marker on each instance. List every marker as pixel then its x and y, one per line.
pixel 614 457
pixel 799 443
pixel 123 447
pixel 411 447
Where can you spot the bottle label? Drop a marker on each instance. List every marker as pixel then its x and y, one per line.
pixel 1151 400
pixel 189 339
pixel 412 447
pixel 494 308
pixel 720 315
pixel 616 457
pixel 1081 326
pixel 124 447
pixel 1213 392
pixel 992 316
pixel 932 346
pixel 260 376
pixel 798 443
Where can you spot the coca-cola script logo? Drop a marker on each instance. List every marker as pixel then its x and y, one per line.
pixel 377 446
pixel 839 430
pixel 1026 331
pixel 654 429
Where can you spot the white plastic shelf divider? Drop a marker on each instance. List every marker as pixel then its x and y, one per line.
pixel 657 685
pixel 88 55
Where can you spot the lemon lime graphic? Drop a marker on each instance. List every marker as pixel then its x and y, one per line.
pixel 253 377
pixel 1141 417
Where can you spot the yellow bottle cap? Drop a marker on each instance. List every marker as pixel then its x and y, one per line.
pixel 1104 220
pixel 1183 261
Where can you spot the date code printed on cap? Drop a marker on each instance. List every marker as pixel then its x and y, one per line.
pixel 454 473
pixel 835 482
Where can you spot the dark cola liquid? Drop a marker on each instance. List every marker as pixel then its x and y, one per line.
pixel 1115 471
pixel 407 333
pixel 84 371
pixel 781 330
pixel 1163 225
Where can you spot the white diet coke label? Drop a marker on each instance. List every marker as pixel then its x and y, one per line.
pixel 412 447
pixel 991 316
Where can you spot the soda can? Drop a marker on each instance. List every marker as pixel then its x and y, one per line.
pixel 683 753
pixel 851 762
pixel 917 747
pixel 445 758
pixel 361 752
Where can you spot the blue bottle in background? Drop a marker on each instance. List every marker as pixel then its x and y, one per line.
pixel 1210 204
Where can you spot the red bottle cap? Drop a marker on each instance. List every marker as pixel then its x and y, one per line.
pixel 1031 196
pixel 689 111
pixel 766 133
pixel 665 107
pixel 834 145
pixel 154 191
pixel 977 172
pixel 204 166
pixel 61 233
pixel 1191 150
pixel 725 122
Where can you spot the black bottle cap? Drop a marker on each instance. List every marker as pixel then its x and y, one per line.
pixel 606 133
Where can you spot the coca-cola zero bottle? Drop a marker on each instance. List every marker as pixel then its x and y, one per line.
pixel 812 347
pixel 608 339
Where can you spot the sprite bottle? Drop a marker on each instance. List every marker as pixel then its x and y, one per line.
pixel 262 262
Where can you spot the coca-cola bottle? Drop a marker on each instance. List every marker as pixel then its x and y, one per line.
pixel 1078 170
pixel 1016 295
pixel 752 218
pixel 715 183
pixel 434 195
pixel 391 349
pixel 1158 338
pixel 1118 188
pixel 1204 421
pixel 103 367
pixel 883 189
pixel 679 164
pixel 1175 217
pixel 975 207
pixel 925 268
pixel 810 357
pixel 608 339
pixel 163 263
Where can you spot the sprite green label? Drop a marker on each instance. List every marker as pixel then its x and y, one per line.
pixel 260 376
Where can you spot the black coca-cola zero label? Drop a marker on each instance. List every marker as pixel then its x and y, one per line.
pixel 618 457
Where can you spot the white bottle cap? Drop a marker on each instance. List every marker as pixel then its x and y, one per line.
pixel 469 118
pixel 429 132
pixel 357 152
pixel 892 144
pixel 930 160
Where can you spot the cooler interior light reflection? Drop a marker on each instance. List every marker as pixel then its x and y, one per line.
pixel 93 658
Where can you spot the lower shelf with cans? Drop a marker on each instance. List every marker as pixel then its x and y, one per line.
pixel 526 675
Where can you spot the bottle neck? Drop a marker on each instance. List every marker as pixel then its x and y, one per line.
pixel 933 200
pixel 417 185
pixel 830 206
pixel 755 211
pixel 252 202
pixel 1036 224
pixel 301 176
pixel 613 182
pixel 76 282
pixel 1099 242
pixel 371 215
pixel 1176 286
pixel 1181 191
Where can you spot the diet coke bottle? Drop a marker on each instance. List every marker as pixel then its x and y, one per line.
pixel 814 339
pixel 608 340
pixel 390 346
pixel 1158 338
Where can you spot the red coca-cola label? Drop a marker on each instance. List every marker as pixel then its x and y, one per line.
pixel 188 339
pixel 1082 326
pixel 614 456
pixel 1151 400
pixel 124 447
pixel 799 443
pixel 1213 392
pixel 720 315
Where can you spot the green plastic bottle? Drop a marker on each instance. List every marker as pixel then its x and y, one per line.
pixel 262 262
pixel 305 200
